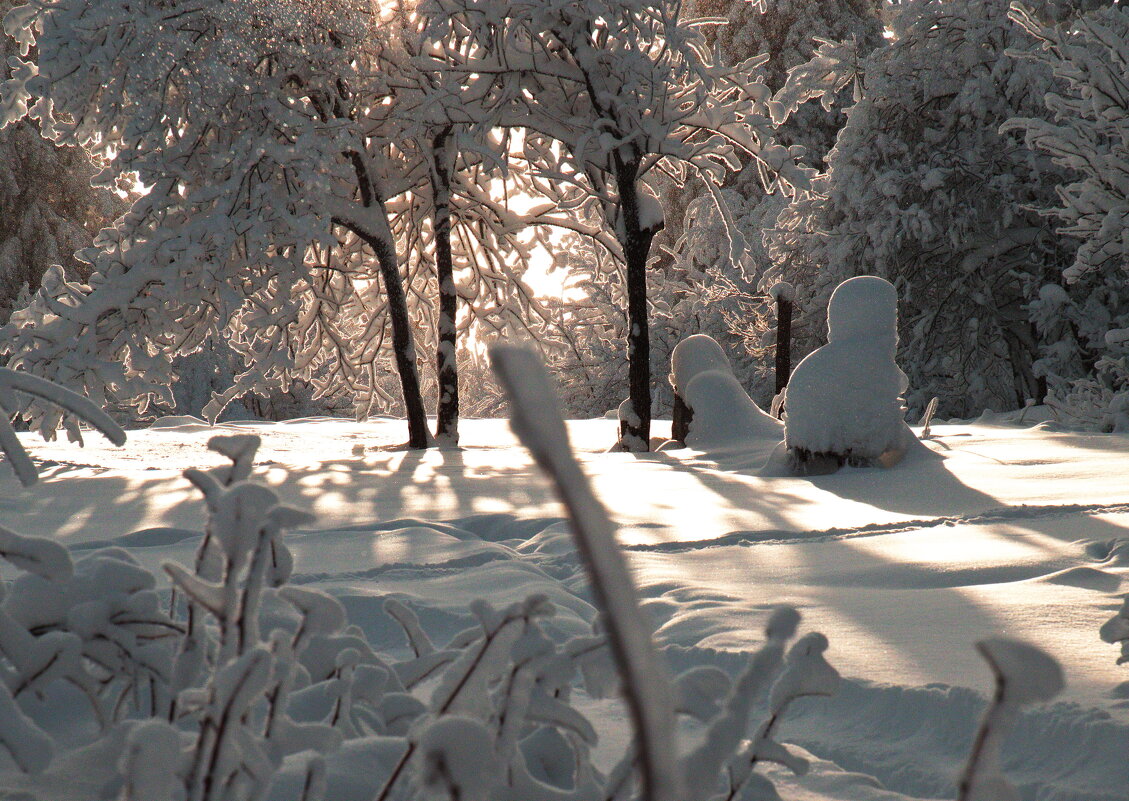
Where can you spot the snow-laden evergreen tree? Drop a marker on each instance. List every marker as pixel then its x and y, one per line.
pixel 1087 317
pixel 923 189
pixel 627 89
pixel 268 138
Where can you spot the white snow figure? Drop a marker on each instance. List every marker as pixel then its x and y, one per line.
pixel 843 401
pixel 711 407
pixel 724 413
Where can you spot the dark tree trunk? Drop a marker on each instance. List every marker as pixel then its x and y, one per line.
pixel 402 346
pixel 447 409
pixel 636 247
pixel 783 342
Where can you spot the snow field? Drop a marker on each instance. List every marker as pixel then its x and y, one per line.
pixel 1017 530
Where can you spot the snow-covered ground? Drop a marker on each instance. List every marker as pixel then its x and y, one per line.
pixel 1001 528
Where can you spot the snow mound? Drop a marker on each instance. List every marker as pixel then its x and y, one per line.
pixel 844 399
pixel 724 413
pixel 1087 578
pixel 693 355
pixel 180 422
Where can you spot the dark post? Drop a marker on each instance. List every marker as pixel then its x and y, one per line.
pixel 785 296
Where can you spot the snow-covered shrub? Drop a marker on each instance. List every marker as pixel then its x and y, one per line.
pixel 1116 630
pixel 236 684
pixel 711 407
pixel 694 354
pixel 844 401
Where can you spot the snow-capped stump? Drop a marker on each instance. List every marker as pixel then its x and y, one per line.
pixel 843 401
pixel 693 355
pixel 1024 675
pixel 722 412
pixel 628 420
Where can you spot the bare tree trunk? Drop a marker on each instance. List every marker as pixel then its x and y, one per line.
pixel 636 247
pixel 402 345
pixel 447 409
pixel 404 351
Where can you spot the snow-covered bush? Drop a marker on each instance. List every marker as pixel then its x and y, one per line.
pixel 711 406
pixel 694 354
pixel 1116 630
pixel 239 685
pixel 844 401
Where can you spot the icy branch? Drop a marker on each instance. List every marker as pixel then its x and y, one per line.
pixel 12 382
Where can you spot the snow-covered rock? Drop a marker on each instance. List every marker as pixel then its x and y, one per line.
pixel 844 399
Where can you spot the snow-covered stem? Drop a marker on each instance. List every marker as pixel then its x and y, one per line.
pixel 927 420
pixel 1023 675
pixel 536 420
pixel 704 764
pixel 806 673
pixel 1116 630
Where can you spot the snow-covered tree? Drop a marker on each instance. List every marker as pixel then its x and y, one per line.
pixel 50 211
pixel 267 136
pixel 626 89
pixel 50 208
pixel 738 312
pixel 923 189
pixel 1088 318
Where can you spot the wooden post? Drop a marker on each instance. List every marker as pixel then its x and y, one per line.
pixel 785 295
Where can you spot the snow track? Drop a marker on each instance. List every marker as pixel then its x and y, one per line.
pixel 1003 514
